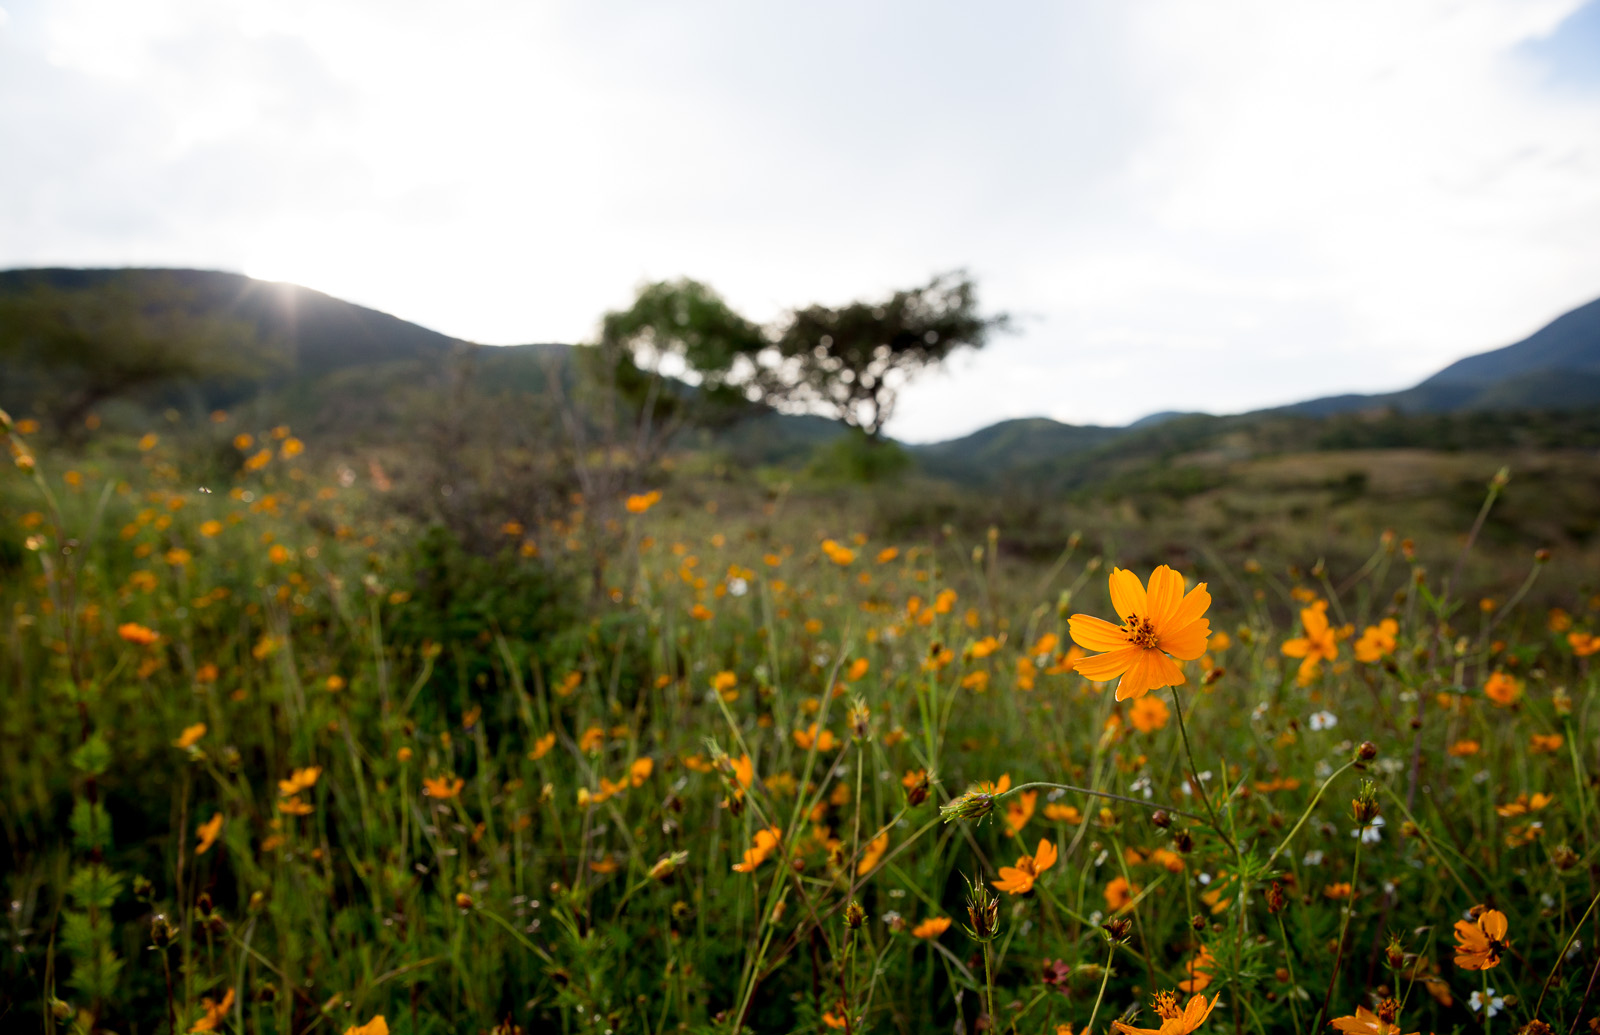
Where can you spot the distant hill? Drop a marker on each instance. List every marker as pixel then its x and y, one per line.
pixel 1555 368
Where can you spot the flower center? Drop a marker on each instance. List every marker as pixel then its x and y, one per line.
pixel 1166 1005
pixel 1141 632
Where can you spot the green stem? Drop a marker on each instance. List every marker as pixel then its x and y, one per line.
pixel 1194 773
pixel 1111 949
pixel 1307 813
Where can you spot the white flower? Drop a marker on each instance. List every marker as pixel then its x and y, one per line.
pixel 1312 858
pixel 1495 1003
pixel 1260 712
pixel 738 587
pixel 1577 943
pixel 1324 721
pixel 1372 833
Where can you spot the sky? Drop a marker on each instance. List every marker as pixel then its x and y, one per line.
pixel 1210 206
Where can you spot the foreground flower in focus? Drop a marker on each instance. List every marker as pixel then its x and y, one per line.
pixel 1175 1020
pixel 1480 943
pixel 1158 626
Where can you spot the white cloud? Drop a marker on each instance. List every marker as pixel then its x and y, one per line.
pixel 1213 206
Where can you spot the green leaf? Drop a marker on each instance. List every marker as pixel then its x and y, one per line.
pixel 93 757
pixel 91 826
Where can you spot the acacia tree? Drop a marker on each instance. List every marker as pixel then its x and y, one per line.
pixel 851 362
pixel 671 360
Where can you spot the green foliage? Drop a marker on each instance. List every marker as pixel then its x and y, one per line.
pixel 850 363
pixel 93 756
pixel 87 931
pixel 90 825
pixel 858 458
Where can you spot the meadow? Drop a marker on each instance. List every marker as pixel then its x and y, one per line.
pixel 706 756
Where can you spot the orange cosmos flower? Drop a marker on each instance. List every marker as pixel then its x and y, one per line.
pixel 376 1026
pixel 190 736
pixel 1479 943
pixel 208 832
pixel 1018 879
pixel 1149 714
pixel 1120 894
pixel 872 854
pixel 1502 689
pixel 1319 644
pixel 932 927
pixel 1199 972
pixel 1463 748
pixel 137 634
pixel 765 842
pixel 1063 813
pixel 640 771
pixel 858 668
pixel 1019 810
pixel 1545 743
pixel 1158 626
pixel 542 746
pixel 299 780
pixel 1377 641
pixel 215 1013
pixel 641 502
pixel 1583 644
pixel 293 806
pixel 442 786
pixel 1365 1022
pixel 1175 1020
pixel 825 741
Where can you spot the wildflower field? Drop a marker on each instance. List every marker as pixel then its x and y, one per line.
pixel 277 758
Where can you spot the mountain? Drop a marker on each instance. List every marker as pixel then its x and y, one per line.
pixel 1555 368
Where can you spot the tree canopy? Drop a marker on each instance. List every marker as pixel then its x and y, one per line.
pixel 851 362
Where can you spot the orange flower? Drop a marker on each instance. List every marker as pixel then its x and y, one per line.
pixel 1463 748
pixel 1338 890
pixel 641 502
pixel 1502 689
pixel 1175 1020
pixel 640 771
pixel 1545 743
pixel 932 927
pixel 442 786
pixel 190 736
pixel 376 1026
pixel 765 842
pixel 1365 1022
pixel 1377 641
pixel 1158 626
pixel 1319 644
pixel 1149 714
pixel 1019 810
pixel 1063 813
pixel 137 634
pixel 1199 972
pixel 1479 944
pixel 299 780
pixel 872 854
pixel 1120 894
pixel 1583 644
pixel 215 1012
pixel 208 832
pixel 700 612
pixel 857 669
pixel 825 741
pixel 593 739
pixel 744 774
pixel 542 746
pixel 887 554
pixel 1018 880
pixel 840 555
pixel 293 806
pixel 1524 805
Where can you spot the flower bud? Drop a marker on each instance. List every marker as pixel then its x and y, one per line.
pixel 667 865
pixel 1367 751
pixel 463 900
pixel 1161 818
pixel 162 933
pixel 1275 898
pixel 1118 929
pixel 854 916
pixel 983 910
pixel 1183 841
pixel 971 805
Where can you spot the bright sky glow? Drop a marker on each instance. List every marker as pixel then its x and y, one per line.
pixel 1214 206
